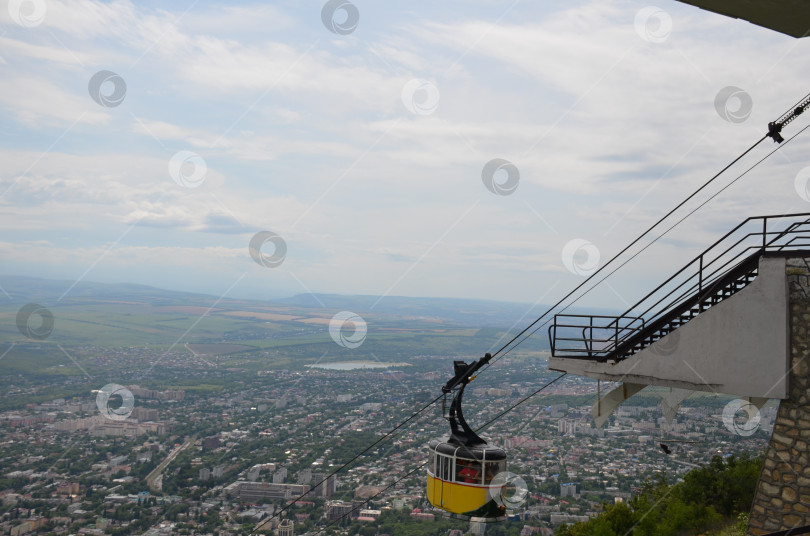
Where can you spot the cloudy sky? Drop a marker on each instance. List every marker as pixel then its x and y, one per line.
pixel 460 149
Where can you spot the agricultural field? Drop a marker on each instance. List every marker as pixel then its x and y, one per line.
pixel 131 329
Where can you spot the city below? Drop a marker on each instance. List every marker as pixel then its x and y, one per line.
pixel 223 435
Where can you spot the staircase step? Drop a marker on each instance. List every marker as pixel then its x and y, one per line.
pixel 711 298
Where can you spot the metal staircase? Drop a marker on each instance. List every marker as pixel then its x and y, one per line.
pixel 722 270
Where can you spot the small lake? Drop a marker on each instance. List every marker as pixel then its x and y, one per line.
pixel 353 365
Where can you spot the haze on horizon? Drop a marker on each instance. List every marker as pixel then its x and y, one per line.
pixel 152 144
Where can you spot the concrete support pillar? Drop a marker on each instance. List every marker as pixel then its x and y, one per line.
pixel 782 499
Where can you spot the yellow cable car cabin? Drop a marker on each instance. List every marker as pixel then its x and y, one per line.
pixel 459 479
pixel 462 468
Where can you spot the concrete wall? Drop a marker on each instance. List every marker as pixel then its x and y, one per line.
pixel 738 347
pixel 782 499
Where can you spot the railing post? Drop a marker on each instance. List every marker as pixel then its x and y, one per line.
pixel 616 337
pixel 764 232
pixel 700 276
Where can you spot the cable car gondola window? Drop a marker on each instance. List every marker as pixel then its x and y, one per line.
pixel 493 468
pixel 468 471
pixel 444 467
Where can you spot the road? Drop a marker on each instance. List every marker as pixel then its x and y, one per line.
pixel 158 471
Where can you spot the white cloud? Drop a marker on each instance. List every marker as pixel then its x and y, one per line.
pixel 38 103
pixel 123 190
pixel 305 134
pixel 57 54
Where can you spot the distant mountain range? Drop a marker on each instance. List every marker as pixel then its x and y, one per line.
pixel 19 290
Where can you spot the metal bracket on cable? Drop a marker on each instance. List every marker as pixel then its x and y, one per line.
pixel 775 127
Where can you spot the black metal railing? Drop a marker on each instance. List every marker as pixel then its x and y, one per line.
pixel 723 269
pixel 591 335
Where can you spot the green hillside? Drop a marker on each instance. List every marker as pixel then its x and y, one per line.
pixel 714 499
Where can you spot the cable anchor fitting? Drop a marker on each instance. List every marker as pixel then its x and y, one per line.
pixel 775 127
pixel 774 130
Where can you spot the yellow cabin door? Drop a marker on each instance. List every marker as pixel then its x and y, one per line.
pixel 437 488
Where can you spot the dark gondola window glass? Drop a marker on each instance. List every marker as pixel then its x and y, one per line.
pixel 432 465
pixel 445 467
pixel 493 468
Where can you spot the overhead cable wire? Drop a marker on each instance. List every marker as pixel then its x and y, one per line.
pixel 355 508
pixel 355 458
pixel 519 402
pixel 786 118
pixel 623 250
pixel 637 253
